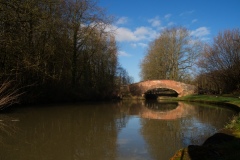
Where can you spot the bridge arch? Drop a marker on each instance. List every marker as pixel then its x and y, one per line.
pixel 182 89
pixel 154 93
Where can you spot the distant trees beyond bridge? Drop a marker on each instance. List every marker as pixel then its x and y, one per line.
pixel 182 89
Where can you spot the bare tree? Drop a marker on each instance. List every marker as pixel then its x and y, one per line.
pixel 171 55
pixel 83 18
pixel 221 60
pixel 59 46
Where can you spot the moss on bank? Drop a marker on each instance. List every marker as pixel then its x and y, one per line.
pixel 224 145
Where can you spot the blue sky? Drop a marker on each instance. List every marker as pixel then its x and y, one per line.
pixel 138 22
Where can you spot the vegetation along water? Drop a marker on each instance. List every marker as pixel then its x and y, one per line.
pixel 58 58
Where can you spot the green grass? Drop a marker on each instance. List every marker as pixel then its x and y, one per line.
pixel 234 125
pixel 211 99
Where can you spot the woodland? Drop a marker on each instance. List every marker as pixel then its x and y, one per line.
pixel 57 51
pixel 64 51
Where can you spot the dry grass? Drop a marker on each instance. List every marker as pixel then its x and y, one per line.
pixel 8 95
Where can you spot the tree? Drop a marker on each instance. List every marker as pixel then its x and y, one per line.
pixel 97 65
pixel 57 47
pixel 220 61
pixel 171 55
pixel 84 17
pixel 122 77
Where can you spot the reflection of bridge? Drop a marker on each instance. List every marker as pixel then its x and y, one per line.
pixel 174 111
pixel 182 89
pixel 182 110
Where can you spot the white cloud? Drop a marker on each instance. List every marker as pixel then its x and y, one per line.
pixel 167 16
pixel 122 20
pixel 155 22
pixel 134 45
pixel 123 54
pixel 171 23
pixel 194 20
pixel 140 33
pixel 125 34
pixel 143 45
pixel 142 30
pixel 143 33
pixel 200 32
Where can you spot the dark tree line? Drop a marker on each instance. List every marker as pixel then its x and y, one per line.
pixel 220 64
pixel 58 49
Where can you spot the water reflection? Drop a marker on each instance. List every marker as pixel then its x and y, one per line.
pixel 165 128
pixel 160 110
pixel 7 127
pixel 125 130
pixel 88 132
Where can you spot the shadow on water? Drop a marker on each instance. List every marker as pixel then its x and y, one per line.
pixel 125 130
pixel 64 132
pixel 217 147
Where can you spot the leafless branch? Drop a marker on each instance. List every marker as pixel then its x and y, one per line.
pixel 8 95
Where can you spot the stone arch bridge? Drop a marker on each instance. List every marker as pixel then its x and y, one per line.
pixel 140 88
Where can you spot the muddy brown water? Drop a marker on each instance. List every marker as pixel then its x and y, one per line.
pixel 135 130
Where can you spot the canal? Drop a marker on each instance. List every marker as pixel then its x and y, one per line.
pixel 136 130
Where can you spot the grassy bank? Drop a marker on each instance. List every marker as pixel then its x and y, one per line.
pixel 212 99
pixel 223 145
pixel 234 124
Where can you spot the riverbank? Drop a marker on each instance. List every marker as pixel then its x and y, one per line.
pixel 223 145
pixel 212 99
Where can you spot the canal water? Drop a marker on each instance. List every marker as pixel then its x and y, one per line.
pixel 126 130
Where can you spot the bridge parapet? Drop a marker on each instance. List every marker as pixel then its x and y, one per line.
pixel 138 89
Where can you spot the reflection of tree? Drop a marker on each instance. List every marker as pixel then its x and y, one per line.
pixel 122 116
pixel 91 131
pixel 161 106
pixel 94 134
pixel 162 143
pixel 210 113
pixel 161 137
pixel 7 127
pixel 88 132
pixel 165 137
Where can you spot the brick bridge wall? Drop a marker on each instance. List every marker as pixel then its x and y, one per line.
pixel 138 89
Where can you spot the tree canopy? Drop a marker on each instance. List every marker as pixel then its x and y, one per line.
pixel 171 55
pixel 60 49
pixel 219 63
